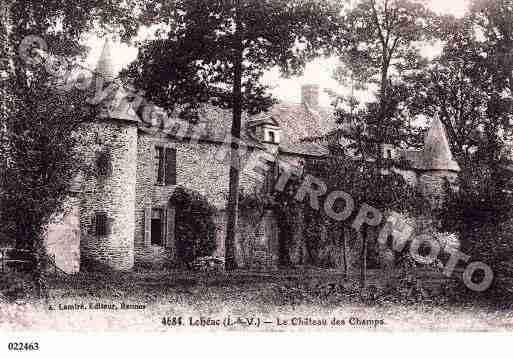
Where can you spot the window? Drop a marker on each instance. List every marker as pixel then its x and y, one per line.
pixel 270 176
pixel 272 137
pixel 101 224
pixel 389 154
pixel 165 166
pixel 159 165
pixel 170 175
pixel 104 163
pixel 157 222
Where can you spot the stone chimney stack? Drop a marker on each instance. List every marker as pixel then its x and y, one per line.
pixel 310 95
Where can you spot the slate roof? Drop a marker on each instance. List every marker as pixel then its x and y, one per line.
pixel 217 124
pixel 105 66
pixel 436 153
pixel 295 121
pixel 113 106
pixel 413 158
pixel 299 123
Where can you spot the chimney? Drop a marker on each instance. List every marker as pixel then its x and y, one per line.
pixel 310 95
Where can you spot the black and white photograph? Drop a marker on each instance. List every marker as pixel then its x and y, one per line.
pixel 255 166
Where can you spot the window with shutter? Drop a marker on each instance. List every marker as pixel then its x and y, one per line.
pixel 157 234
pixel 147 226
pixel 165 166
pixel 170 229
pixel 104 163
pixel 170 166
pixel 101 223
pixel 159 165
pixel 272 138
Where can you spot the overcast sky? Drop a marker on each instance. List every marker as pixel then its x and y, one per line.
pixel 288 90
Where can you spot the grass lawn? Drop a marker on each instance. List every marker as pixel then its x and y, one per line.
pixel 202 300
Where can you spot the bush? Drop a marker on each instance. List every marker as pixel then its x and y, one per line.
pixel 16 286
pixel 195 230
pixel 480 212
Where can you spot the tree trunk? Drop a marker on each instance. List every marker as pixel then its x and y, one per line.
pixel 6 55
pixel 40 270
pixel 233 196
pixel 344 253
pixel 381 128
pixel 363 268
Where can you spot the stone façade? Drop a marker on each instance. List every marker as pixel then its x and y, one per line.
pixel 127 191
pixel 112 193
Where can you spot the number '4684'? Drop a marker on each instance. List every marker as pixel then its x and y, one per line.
pixel 172 321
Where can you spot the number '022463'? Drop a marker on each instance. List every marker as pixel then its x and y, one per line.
pixel 18 346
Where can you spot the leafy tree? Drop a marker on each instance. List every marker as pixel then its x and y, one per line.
pixel 195 228
pixel 217 50
pixel 458 85
pixel 38 145
pixel 62 26
pixel 480 212
pixel 366 185
pixel 381 43
pixel 40 152
pixel 493 21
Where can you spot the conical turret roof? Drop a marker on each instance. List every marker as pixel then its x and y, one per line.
pixel 105 66
pixel 437 153
pixel 114 104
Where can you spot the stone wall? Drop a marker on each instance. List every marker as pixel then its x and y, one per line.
pixel 62 237
pixel 432 186
pixel 112 193
pixel 149 195
pixel 200 167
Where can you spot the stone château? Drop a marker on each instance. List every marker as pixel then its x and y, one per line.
pixel 120 214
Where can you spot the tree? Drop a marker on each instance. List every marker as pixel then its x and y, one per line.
pixel 38 123
pixel 492 20
pixel 459 86
pixel 225 46
pixel 195 228
pixel 40 150
pixel 366 186
pixel 381 43
pixel 451 86
pixel 480 212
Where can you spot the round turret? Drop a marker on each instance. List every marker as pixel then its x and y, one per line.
pixel 108 203
pixel 438 166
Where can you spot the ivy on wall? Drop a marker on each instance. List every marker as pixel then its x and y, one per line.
pixel 195 229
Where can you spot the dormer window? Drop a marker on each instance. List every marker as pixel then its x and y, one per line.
pixel 271 135
pixel 388 152
pixel 267 130
pixel 272 138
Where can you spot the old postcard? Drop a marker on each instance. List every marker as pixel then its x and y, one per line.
pixel 292 166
